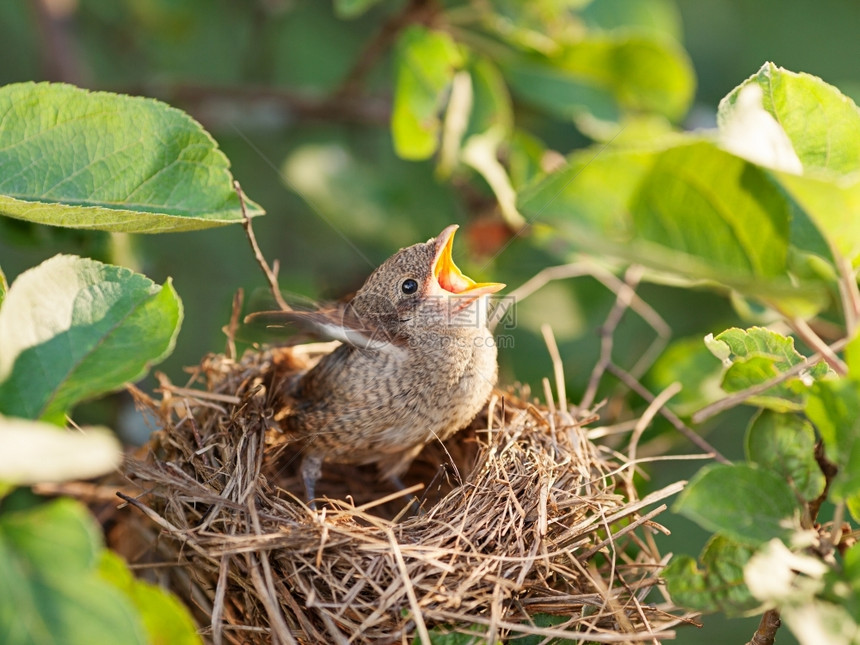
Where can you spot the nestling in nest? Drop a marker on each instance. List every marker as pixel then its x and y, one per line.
pixel 524 527
pixel 524 517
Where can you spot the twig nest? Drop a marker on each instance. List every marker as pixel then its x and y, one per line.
pixel 525 527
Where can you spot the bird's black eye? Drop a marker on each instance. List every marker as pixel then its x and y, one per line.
pixel 409 286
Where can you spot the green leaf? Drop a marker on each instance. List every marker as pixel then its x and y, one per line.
pixel 491 103
pixel 40 452
pixel 785 444
pixel 166 620
pixel 4 286
pixel 49 590
pixel 425 62
pixel 691 212
pixel 818 126
pixel 526 154
pixel 832 206
pixel 94 160
pixel 822 124
pixel 716 585
pixel 74 328
pixel 588 200
pixel 746 503
pixel 834 407
pixel 716 210
pixel 757 355
pixel 596 80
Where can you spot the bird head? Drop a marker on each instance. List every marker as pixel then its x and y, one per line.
pixel 422 286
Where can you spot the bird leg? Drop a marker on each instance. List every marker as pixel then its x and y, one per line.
pixel 311 469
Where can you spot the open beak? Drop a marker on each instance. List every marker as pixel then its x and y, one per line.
pixel 450 277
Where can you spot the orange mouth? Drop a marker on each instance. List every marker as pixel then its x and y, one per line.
pixel 450 277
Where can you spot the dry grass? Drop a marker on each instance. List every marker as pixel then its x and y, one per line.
pixel 527 527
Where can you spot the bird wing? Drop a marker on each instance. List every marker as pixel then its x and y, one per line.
pixel 335 323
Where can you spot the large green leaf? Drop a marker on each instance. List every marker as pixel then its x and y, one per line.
pixel 822 124
pixel 715 209
pixel 832 205
pixel 80 159
pixel 690 211
pixel 777 114
pixel 748 504
pixel 73 328
pixel 40 452
pixel 50 590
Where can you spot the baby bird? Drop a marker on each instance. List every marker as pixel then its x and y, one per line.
pixel 417 363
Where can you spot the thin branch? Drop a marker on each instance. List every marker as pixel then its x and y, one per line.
pixel 267 271
pixel 848 293
pixel 217 105
pixel 829 470
pixel 667 414
pixel 230 329
pixel 624 296
pixel 808 336
pixel 766 632
pixel 739 397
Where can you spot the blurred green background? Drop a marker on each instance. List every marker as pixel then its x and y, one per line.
pixel 259 75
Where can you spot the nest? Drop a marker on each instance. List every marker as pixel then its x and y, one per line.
pixel 525 526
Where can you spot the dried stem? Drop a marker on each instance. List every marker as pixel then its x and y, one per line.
pixel 270 274
pixel 557 365
pixel 233 325
pixel 624 296
pixel 849 294
pixel 766 632
pixel 808 336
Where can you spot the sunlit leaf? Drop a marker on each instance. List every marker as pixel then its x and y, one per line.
pixel 814 598
pixel 833 206
pixel 95 160
pixel 822 124
pixel 74 328
pixel 426 62
pixel 758 355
